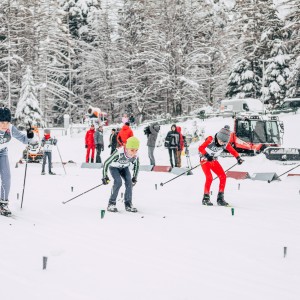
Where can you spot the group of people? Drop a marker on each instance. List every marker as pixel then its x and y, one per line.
pixel 94 141
pixel 124 152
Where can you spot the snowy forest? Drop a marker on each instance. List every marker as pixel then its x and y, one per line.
pixel 145 57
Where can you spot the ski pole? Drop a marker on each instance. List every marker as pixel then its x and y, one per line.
pixel 61 159
pixel 283 173
pixel 227 170
pixel 163 183
pixel 25 176
pixel 64 202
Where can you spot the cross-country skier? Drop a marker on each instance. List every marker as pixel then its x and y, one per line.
pixel 209 152
pixel 7 131
pixel 118 164
pixel 47 143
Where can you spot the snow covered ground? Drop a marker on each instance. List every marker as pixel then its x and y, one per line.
pixel 174 248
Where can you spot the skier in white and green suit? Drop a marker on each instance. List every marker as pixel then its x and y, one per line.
pixel 118 164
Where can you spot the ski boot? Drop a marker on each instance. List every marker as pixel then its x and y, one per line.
pixel 130 208
pixel 206 200
pixel 4 210
pixel 43 173
pixel 220 199
pixel 51 173
pixel 112 208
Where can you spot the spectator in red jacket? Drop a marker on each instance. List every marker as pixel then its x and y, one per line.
pixel 209 152
pixel 90 144
pixel 124 134
pixel 181 146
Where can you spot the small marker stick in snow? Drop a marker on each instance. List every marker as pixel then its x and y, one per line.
pixel 239 185
pixel 17 196
pixel 72 188
pixel 155 186
pixel 45 259
pixel 232 211
pixel 284 251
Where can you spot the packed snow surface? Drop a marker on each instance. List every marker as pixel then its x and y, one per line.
pixel 173 248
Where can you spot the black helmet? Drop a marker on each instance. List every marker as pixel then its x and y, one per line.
pixel 5 114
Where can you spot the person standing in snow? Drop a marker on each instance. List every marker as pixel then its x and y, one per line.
pixel 124 134
pixel 172 142
pixel 181 146
pixel 151 140
pixel 47 143
pixel 90 144
pixel 113 141
pixel 99 142
pixel 118 164
pixel 7 131
pixel 209 152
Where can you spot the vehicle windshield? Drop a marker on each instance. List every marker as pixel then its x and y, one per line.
pixel 265 132
pixel 258 131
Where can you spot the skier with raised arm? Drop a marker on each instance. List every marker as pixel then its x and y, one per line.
pixel 7 131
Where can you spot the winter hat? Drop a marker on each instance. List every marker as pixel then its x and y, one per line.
pixel 132 143
pixel 46 131
pixel 224 134
pixel 5 114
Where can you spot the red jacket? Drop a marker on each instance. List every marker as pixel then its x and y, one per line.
pixel 210 147
pixel 89 138
pixel 181 142
pixel 124 134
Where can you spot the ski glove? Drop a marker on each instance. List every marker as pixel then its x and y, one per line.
pixel 30 134
pixel 134 181
pixel 208 157
pixel 86 146
pixel 105 180
pixel 239 160
pixel 109 146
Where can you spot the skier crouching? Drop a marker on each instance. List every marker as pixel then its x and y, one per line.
pixel 7 131
pixel 209 152
pixel 118 164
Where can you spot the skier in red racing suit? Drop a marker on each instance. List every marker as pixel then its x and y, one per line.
pixel 209 152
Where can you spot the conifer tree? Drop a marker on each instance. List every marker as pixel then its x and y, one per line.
pixel 28 109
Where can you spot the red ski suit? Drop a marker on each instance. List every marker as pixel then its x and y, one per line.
pixel 90 144
pixel 214 149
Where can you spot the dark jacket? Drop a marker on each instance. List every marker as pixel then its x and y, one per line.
pixel 173 139
pixel 113 140
pixel 98 137
pixel 151 139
